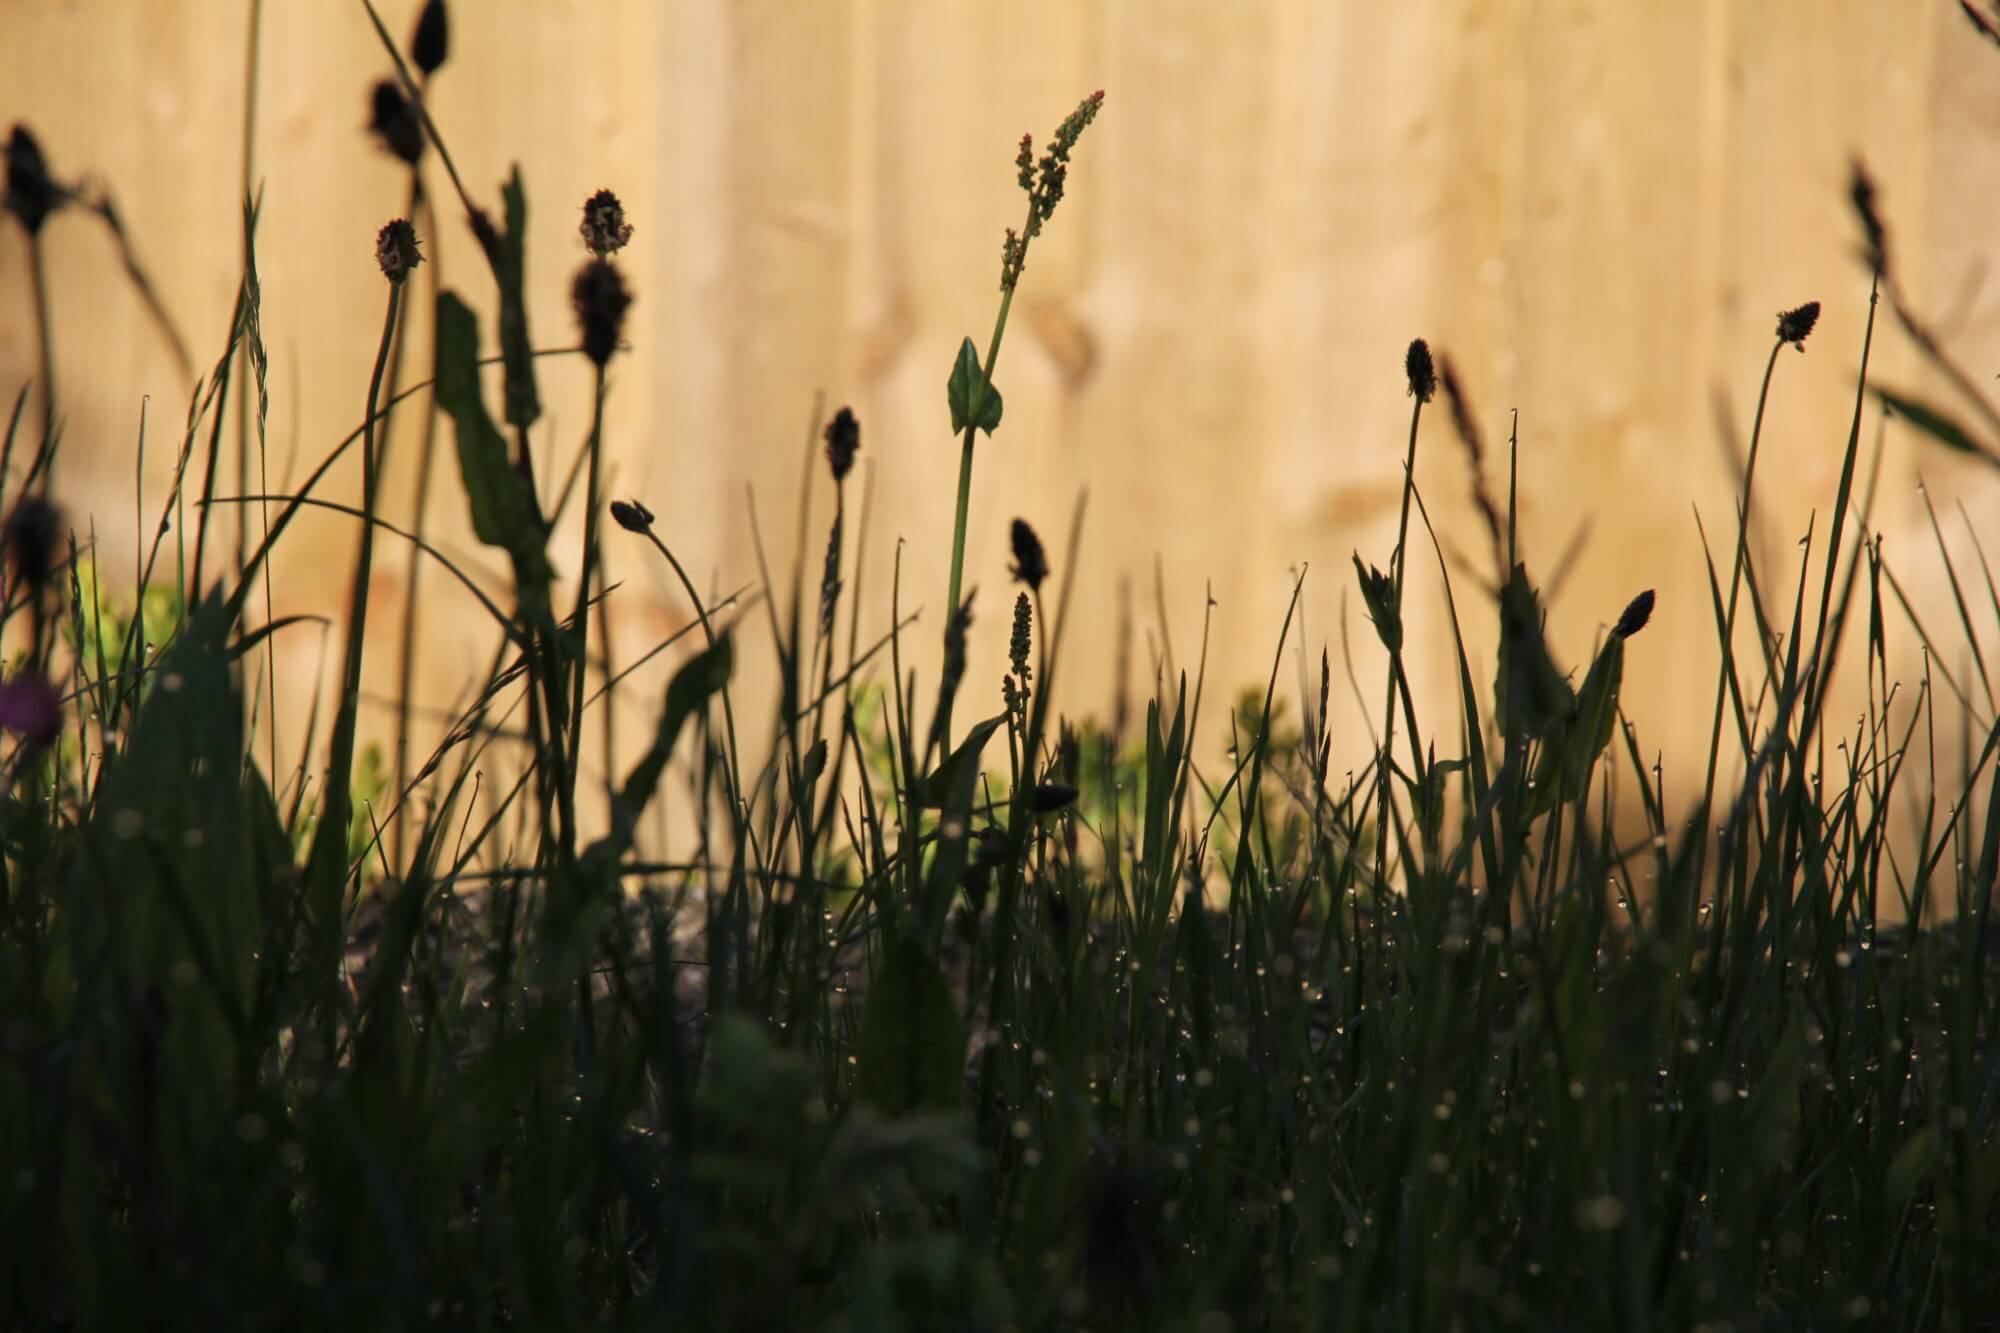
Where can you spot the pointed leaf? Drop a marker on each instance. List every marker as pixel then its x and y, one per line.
pixel 523 404
pixel 1378 593
pixel 692 687
pixel 1532 697
pixel 972 399
pixel 1939 425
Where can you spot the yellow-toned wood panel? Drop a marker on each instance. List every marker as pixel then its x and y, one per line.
pixel 1595 208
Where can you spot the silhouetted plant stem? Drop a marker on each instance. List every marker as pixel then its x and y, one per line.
pixel 580 618
pixel 965 457
pixel 733 772
pixel 327 873
pixel 38 269
pixel 407 646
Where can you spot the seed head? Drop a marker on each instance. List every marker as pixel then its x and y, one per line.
pixel 395 121
pixel 1422 373
pixel 843 441
pixel 33 530
pixel 601 300
pixel 632 516
pixel 1020 643
pixel 830 581
pixel 396 250
pixel 1044 797
pixel 432 42
pixel 1031 564
pixel 604 227
pixel 32 193
pixel 1795 325
pixel 1637 612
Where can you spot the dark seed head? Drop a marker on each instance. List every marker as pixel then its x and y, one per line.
pixel 432 42
pixel 632 516
pixel 601 300
pixel 396 123
pixel 1637 612
pixel 1422 373
pixel 32 193
pixel 843 441
pixel 33 530
pixel 1046 796
pixel 1795 325
pixel 1021 642
pixel 604 227
pixel 1031 564
pixel 396 250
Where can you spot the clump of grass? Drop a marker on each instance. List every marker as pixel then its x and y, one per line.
pixel 1504 1030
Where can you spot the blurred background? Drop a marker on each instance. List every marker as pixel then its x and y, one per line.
pixel 1595 209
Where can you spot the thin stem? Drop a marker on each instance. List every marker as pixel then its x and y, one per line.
pixel 735 768
pixel 38 267
pixel 1726 677
pixel 329 854
pixel 580 620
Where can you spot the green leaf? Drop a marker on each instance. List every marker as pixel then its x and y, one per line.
pixel 1378 592
pixel 951 789
pixel 523 404
pixel 501 513
pixel 973 401
pixel 1532 696
pixel 911 1052
pixel 1940 426
pixel 691 689
pixel 1566 762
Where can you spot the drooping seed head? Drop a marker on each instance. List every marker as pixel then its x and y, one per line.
pixel 396 250
pixel 601 301
pixel 1031 563
pixel 632 516
pixel 843 441
pixel 604 228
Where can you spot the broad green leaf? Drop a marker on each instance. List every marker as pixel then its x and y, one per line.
pixel 972 399
pixel 911 1052
pixel 1939 425
pixel 501 513
pixel 950 789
